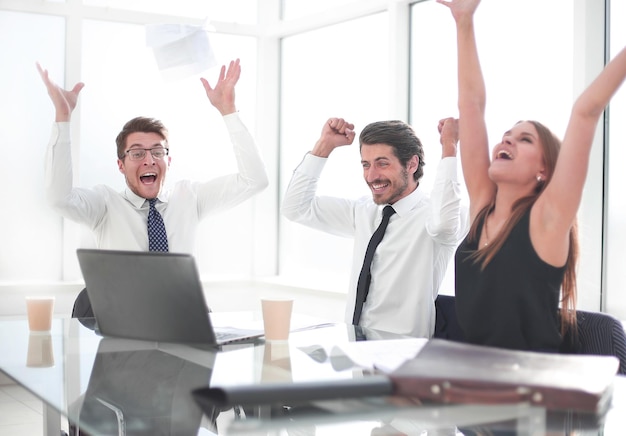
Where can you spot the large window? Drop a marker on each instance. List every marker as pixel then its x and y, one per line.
pixel 297 8
pixel 122 80
pixel 335 71
pixel 32 234
pixel 236 11
pixel 527 74
pixel 342 58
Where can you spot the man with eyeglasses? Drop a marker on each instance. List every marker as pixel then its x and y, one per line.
pixel 119 219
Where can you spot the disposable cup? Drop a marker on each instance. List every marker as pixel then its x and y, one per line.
pixel 276 318
pixel 39 311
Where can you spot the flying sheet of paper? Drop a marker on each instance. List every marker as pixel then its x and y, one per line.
pixel 180 50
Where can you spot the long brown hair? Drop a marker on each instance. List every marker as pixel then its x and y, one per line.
pixel 551 146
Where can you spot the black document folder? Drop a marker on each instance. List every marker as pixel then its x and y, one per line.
pixel 293 393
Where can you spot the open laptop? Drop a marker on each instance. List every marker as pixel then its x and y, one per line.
pixel 153 297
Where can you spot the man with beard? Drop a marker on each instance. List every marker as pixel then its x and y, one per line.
pixel 422 233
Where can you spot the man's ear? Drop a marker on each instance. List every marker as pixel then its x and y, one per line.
pixel 412 164
pixel 120 166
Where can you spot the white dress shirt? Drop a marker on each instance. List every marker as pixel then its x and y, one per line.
pixel 410 262
pixel 119 219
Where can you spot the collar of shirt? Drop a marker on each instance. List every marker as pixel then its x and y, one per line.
pixel 408 203
pixel 139 202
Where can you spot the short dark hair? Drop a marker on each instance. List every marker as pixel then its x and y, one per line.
pixel 401 137
pixel 139 124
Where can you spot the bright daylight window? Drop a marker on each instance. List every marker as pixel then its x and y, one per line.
pixel 235 11
pixel 32 233
pixel 199 144
pixel 512 58
pixel 122 81
pixel 318 83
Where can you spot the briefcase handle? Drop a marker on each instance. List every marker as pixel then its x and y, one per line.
pixel 472 393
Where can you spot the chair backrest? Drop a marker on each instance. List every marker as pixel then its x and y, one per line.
pixel 598 333
pixel 601 333
pixel 83 311
pixel 446 324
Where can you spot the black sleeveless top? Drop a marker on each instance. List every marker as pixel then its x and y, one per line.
pixel 512 303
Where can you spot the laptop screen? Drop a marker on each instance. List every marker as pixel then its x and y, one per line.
pixel 146 295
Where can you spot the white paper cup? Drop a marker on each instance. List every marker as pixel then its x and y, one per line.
pixel 276 318
pixel 39 311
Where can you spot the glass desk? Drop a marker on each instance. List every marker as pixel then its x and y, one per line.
pixel 116 386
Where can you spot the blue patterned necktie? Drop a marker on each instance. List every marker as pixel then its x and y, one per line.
pixel 157 237
pixel 363 285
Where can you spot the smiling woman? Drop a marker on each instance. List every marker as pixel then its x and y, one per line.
pixel 518 289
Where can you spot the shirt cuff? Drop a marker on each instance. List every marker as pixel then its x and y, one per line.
pixel 447 169
pixel 233 122
pixel 60 131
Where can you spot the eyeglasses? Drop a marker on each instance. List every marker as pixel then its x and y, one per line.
pixel 140 153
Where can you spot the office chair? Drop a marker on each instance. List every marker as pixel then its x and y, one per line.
pixel 84 313
pixel 601 333
pixel 446 324
pixel 82 310
pixel 598 333
pixel 82 306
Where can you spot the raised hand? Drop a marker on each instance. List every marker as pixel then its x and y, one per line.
pixel 64 100
pixel 448 136
pixel 335 133
pixel 222 96
pixel 460 8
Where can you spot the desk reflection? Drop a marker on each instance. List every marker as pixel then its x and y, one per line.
pixel 142 391
pixel 276 362
pixel 40 352
pixel 145 388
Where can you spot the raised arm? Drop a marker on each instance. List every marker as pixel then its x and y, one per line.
pixel 335 133
pixel 448 136
pixel 80 205
pixel 301 203
pixel 474 144
pixel 223 95
pixel 448 221
pixel 561 197
pixel 64 100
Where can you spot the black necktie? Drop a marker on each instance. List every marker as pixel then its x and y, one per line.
pixel 157 237
pixel 365 277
